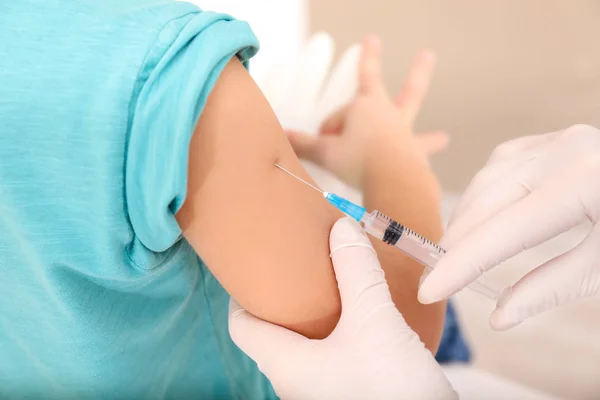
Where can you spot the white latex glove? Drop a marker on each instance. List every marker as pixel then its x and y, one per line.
pixel 304 92
pixel 531 190
pixel 371 354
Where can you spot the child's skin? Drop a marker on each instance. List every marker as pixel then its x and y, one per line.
pixel 265 236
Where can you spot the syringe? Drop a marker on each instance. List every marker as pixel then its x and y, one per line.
pixel 384 228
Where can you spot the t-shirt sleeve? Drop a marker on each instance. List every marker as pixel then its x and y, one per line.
pixel 175 81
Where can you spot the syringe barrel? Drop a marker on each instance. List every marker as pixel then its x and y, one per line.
pixel 416 246
pixel 391 232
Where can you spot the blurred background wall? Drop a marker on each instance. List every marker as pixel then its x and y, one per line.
pixel 505 68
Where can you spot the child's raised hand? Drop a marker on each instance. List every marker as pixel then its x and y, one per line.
pixel 373 121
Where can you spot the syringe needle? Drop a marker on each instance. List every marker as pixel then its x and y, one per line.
pixel 297 177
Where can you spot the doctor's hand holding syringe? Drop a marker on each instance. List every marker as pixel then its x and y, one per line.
pixel 531 190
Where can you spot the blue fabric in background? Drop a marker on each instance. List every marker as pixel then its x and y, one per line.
pixel 453 348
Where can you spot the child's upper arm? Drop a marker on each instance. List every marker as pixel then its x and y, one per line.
pixel 263 234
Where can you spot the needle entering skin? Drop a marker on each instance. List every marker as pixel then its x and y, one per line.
pixel 297 177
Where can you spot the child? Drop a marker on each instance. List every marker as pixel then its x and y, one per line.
pixel 136 170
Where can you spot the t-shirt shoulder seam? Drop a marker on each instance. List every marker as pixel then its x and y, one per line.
pixel 132 95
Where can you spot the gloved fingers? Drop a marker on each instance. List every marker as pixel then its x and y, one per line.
pixel 506 160
pixel 370 69
pixel 342 86
pixel 311 71
pixel 528 168
pixel 544 214
pixel 567 277
pixel 411 97
pixel 513 148
pixel 261 340
pixel 501 195
pixel 387 324
pixel 357 269
pixel 485 179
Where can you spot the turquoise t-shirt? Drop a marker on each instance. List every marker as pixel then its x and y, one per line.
pixel 100 297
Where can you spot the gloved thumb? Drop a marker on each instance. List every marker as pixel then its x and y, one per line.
pixel 561 280
pixel 357 269
pixel 260 340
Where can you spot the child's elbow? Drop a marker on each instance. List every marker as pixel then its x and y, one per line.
pixel 321 314
pixel 307 304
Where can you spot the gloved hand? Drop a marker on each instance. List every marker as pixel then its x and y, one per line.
pixel 371 354
pixel 531 190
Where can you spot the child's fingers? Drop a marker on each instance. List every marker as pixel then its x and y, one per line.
pixel 309 147
pixel 434 141
pixel 335 122
pixel 370 74
pixel 415 89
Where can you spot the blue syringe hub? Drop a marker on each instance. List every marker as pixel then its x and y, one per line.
pixel 346 206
